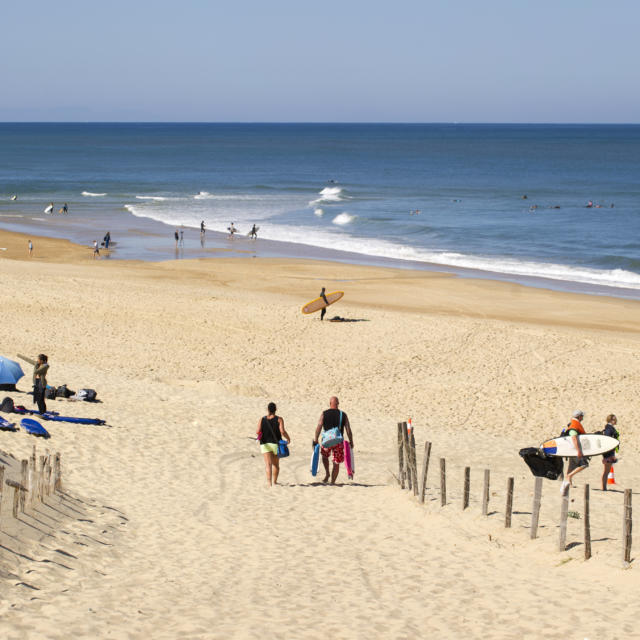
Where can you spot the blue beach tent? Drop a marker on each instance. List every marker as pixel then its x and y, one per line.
pixel 10 372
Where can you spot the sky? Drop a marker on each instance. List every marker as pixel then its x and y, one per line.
pixel 330 61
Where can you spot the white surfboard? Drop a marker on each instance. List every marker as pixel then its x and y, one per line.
pixel 592 444
pixel 49 209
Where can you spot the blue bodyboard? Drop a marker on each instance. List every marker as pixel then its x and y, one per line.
pixel 34 427
pixel 315 459
pixel 5 425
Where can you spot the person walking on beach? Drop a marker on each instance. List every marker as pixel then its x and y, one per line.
pixel 330 419
pixel 609 458
pixel 96 250
pixel 30 245
pixel 177 237
pixel 253 234
pixel 181 238
pixel 107 239
pixel 40 370
pixel 231 229
pixel 579 463
pixel 270 431
pixel 65 209
pixel 202 229
pixel 324 309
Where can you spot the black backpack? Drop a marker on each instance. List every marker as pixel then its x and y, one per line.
pixel 63 392
pixel 7 405
pixel 541 465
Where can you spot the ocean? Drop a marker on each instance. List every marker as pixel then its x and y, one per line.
pixel 500 201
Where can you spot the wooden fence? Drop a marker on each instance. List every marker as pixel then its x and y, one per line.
pixel 39 478
pixel 408 478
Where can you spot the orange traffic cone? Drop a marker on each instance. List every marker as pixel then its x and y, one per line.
pixel 409 426
pixel 611 479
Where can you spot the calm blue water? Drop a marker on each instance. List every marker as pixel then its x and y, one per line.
pixel 354 188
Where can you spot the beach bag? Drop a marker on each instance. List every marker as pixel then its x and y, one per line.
pixel 63 392
pixel 541 465
pixel 283 449
pixel 332 437
pixel 88 395
pixel 50 393
pixel 7 405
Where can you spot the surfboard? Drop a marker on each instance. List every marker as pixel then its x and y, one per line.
pixel 5 425
pixel 592 444
pixel 34 427
pixel 257 229
pixel 315 459
pixel 49 209
pixel 348 460
pixel 58 418
pixel 319 303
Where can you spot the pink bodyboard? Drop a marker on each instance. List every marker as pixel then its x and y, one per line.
pixel 348 460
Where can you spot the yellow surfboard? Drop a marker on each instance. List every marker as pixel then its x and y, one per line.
pixel 319 303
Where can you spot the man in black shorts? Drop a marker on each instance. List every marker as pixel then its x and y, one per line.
pixel 330 419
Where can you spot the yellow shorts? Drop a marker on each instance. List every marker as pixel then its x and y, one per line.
pixel 269 447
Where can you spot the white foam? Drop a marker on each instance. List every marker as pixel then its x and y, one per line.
pixel 93 195
pixel 158 198
pixel 343 218
pixel 318 212
pixel 328 195
pixel 204 195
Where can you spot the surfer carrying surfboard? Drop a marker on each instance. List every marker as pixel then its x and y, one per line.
pixel 324 297
pixel 579 463
pixel 333 420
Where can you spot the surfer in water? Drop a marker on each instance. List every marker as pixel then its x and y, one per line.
pixel 324 297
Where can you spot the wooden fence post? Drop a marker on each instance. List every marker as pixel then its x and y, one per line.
pixel 626 527
pixel 400 456
pixel 564 510
pixel 466 487
pixel 1 485
pixel 443 482
pixel 485 493
pixel 24 474
pixel 587 524
pixel 33 475
pixel 509 506
pixel 535 511
pixel 414 464
pixel 425 467
pixel 407 455
pixel 57 485
pixel 41 478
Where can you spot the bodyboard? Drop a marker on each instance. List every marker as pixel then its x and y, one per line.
pixel 5 425
pixel 348 460
pixel 315 460
pixel 34 427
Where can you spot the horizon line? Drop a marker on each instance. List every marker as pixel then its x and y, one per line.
pixel 322 122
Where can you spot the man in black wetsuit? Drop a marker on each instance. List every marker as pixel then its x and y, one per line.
pixel 330 419
pixel 324 309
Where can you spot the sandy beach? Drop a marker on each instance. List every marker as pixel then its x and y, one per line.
pixel 166 528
